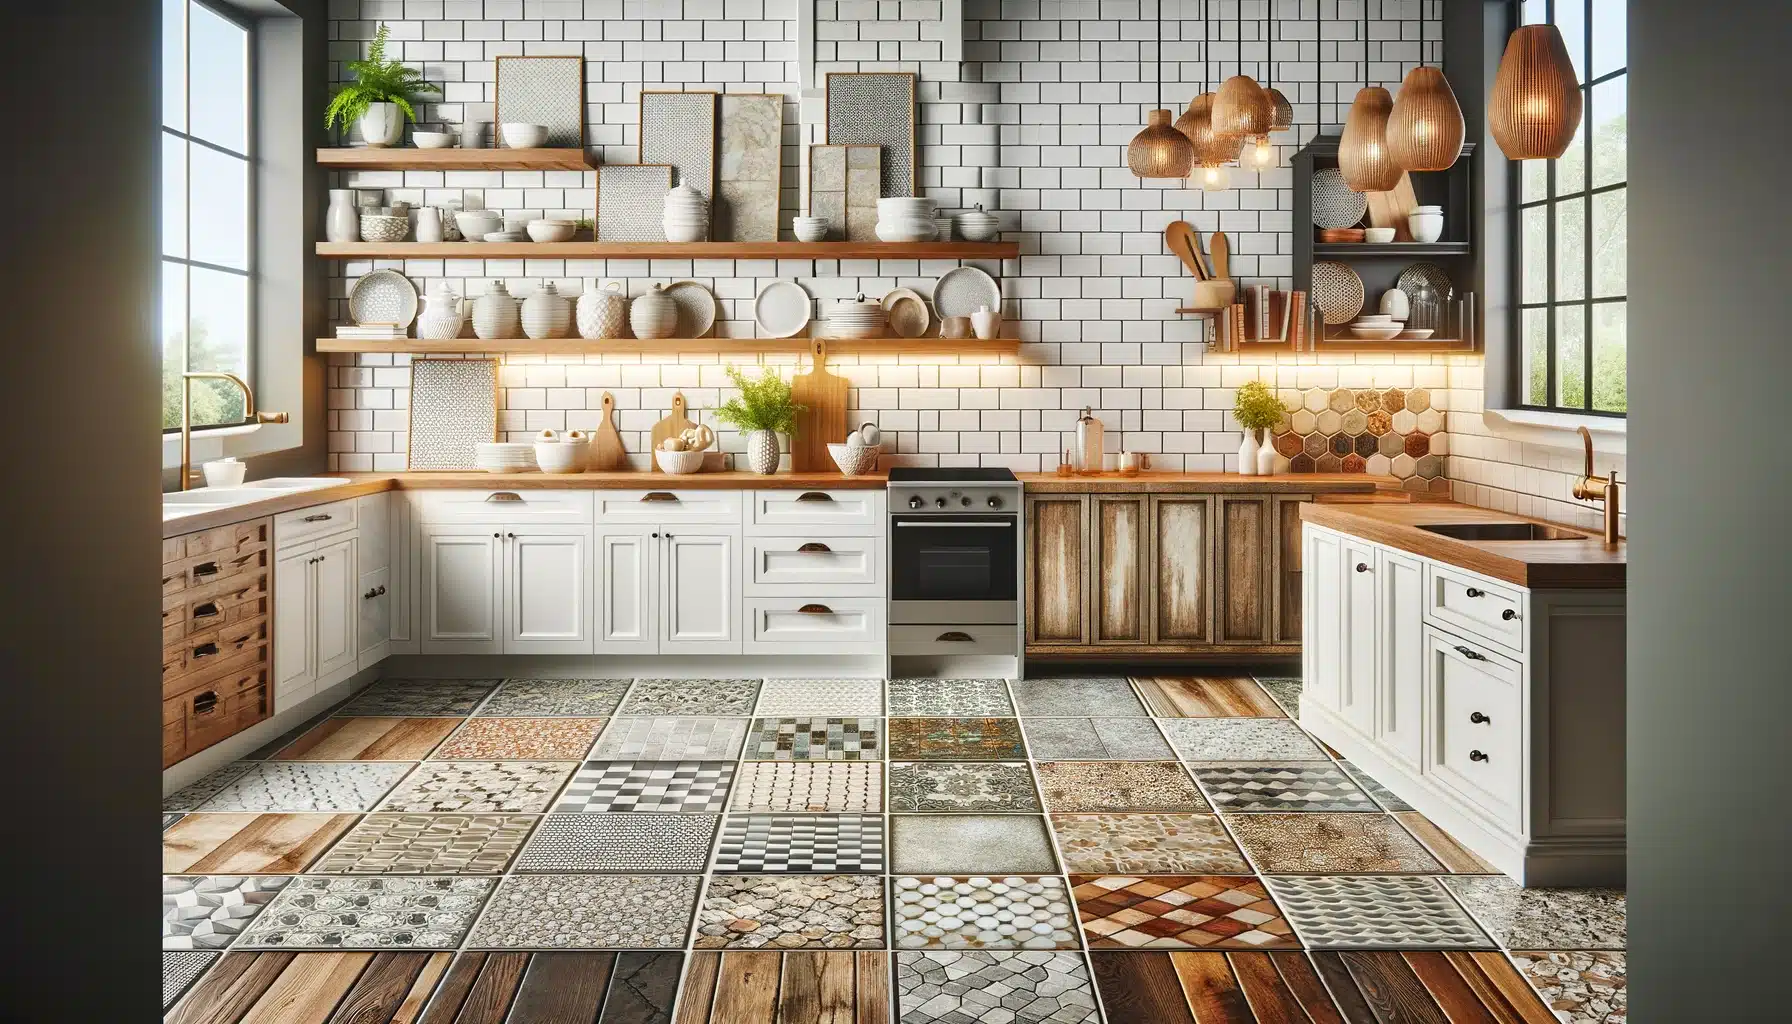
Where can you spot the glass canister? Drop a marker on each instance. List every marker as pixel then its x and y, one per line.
pixel 1088 442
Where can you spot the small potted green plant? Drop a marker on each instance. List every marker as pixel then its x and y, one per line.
pixel 764 409
pixel 379 99
pixel 1256 408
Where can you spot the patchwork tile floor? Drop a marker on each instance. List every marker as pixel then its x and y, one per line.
pixel 484 833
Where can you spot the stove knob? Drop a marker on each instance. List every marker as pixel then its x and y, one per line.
pixel 939 502
pixel 915 502
pixel 994 501
pixel 965 501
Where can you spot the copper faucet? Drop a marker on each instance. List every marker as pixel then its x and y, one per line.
pixel 1603 489
pixel 186 414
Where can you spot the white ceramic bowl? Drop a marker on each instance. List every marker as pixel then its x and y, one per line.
pixel 809 229
pixel 433 140
pixel 1378 236
pixel 503 236
pixel 476 224
pixel 1416 333
pixel 678 463
pixel 853 459
pixel 523 135
pixel 907 230
pixel 1376 333
pixel 224 473
pixel 551 230
pixel 562 456
pixel 977 227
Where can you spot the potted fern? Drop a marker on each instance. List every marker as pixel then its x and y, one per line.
pixel 1256 408
pixel 764 409
pixel 379 99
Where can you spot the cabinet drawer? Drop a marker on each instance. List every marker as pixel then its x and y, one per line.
pixel 570 508
pixel 964 638
pixel 780 510
pixel 1464 602
pixel 225 540
pixel 197 611
pixel 205 572
pixel 846 624
pixel 812 561
pixel 174 732
pixel 666 506
pixel 220 710
pixel 201 650
pixel 1477 731
pixel 310 523
pixel 210 670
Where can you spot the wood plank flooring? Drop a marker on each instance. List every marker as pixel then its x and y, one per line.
pixel 1206 697
pixel 369 739
pixel 799 987
pixel 249 844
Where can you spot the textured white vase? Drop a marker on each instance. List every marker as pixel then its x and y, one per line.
pixel 762 452
pixel 1266 456
pixel 382 125
pixel 602 312
pixel 686 218
pixel 343 222
pixel 653 314
pixel 495 314
pixel 1394 303
pixel 546 314
pixel 442 316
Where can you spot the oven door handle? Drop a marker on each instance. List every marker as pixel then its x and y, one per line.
pixel 995 525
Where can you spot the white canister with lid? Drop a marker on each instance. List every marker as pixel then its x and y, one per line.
pixel 1088 442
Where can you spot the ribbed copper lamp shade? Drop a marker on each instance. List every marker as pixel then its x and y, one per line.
pixel 1281 112
pixel 1425 129
pixel 1160 151
pixel 1535 108
pixel 1241 109
pixel 1363 151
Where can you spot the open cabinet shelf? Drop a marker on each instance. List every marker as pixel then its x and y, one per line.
pixel 673 346
pixel 672 250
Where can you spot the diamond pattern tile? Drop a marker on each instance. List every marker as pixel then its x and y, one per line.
pixel 1280 786
pixel 693 786
pixel 1179 912
pixel 211 911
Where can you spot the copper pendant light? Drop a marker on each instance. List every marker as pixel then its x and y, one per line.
pixel 1160 151
pixel 1211 151
pixel 1536 103
pixel 1240 108
pixel 1281 112
pixel 1363 151
pixel 1425 130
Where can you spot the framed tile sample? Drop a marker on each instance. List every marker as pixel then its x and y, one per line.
pixel 454 407
pixel 877 108
pixel 844 184
pixel 631 202
pixel 679 128
pixel 751 172
pixel 542 90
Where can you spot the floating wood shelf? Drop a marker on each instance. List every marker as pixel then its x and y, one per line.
pixel 671 250
pixel 396 158
pixel 1391 249
pixel 1346 346
pixel 1202 310
pixel 674 346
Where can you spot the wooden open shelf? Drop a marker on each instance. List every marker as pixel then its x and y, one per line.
pixel 1346 346
pixel 671 250
pixel 674 346
pixel 406 158
pixel 1412 249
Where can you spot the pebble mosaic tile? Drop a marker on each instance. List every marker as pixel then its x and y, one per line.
pixel 428 844
pixel 1179 912
pixel 635 843
pixel 1095 739
pixel 1146 844
pixel 190 797
pixel 1118 786
pixel 555 698
pixel 970 986
pixel 777 786
pixel 1378 792
pixel 691 697
pixel 1374 912
pixel 670 739
pixel 1280 786
pixel 1579 987
pixel 821 697
pixel 1240 739
pixel 966 844
pixel 813 739
pixel 1073 697
pixel 479 787
pixel 822 843
pixel 180 970
pixel 969 786
pixel 792 912
pixel 420 698
pixel 1336 844
pixel 521 739
pixel 210 911
pixel 388 912
pixel 308 786
pixel 588 912
pixel 949 697
pixel 981 912
pixel 670 786
pixel 956 739
pixel 1538 918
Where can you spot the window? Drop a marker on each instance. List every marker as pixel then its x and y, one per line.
pixel 207 221
pixel 1571 230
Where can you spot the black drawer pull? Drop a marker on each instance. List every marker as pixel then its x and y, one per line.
pixel 1479 719
pixel 1509 615
pixel 205 650
pixel 814 496
pixel 659 496
pixel 318 518
pixel 814 547
pixel 379 591
pixel 1362 567
pixel 1475 592
pixel 1476 755
pixel 206 569
pixel 206 610
pixel 956 637
pixel 816 609
pixel 205 703
pixel 1470 655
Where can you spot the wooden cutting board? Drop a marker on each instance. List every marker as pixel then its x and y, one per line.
pixel 823 419
pixel 1389 209
pixel 606 441
pixel 671 426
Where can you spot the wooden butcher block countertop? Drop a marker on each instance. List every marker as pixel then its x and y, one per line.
pixel 1539 564
pixel 1210 483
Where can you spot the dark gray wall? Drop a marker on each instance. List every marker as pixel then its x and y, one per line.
pixel 1710 680
pixel 81 655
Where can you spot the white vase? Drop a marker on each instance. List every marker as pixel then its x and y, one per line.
pixel 429 224
pixel 382 125
pixel 1395 304
pixel 545 314
pixel 1266 456
pixel 442 316
pixel 653 314
pixel 495 314
pixel 1247 454
pixel 762 452
pixel 602 311
pixel 686 217
pixel 342 223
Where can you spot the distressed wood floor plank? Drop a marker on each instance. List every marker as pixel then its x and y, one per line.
pixel 1211 988
pixel 1343 988
pixel 1391 989
pixel 873 988
pixel 698 995
pixel 1298 974
pixel 643 988
pixel 747 987
pixel 563 988
pixel 1140 988
pixel 1268 995
pixel 1520 997
pixel 381 988
pixel 370 739
pixel 1452 994
pixel 309 989
pixel 249 844
pixel 1206 697
pixel 1452 854
pixel 227 991
pixel 817 988
pixel 491 996
pixel 427 980
pixel 452 995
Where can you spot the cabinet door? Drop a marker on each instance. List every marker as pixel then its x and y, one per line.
pixel 336 610
pixel 1322 587
pixel 627 568
pixel 1182 604
pixel 1057 564
pixel 1118 599
pixel 699 590
pixel 1356 636
pixel 1243 533
pixel 1475 741
pixel 373 629
pixel 460 590
pixel 1285 589
pixel 1400 612
pixel 547 590
pixel 294 658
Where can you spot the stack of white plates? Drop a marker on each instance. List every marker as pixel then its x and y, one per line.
pixel 860 319
pixel 1376 326
pixel 906 219
pixel 504 457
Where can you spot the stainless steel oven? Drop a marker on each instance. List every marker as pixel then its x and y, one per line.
pixel 954 543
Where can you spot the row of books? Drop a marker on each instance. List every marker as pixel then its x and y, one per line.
pixel 1264 314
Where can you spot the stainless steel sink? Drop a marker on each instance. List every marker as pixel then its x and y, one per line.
pixel 1502 531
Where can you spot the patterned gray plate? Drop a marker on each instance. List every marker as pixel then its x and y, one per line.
pixel 696 309
pixel 383 297
pixel 963 291
pixel 1334 204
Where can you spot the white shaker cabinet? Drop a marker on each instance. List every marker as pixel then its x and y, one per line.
pixel 490 589
pixel 1400 654
pixel 1322 618
pixel 1356 639
pixel 316 607
pixel 460 606
pixel 627 571
pixel 699 592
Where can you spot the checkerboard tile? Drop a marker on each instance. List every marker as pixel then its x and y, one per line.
pixel 667 786
pixel 828 843
pixel 814 739
pixel 670 739
pixel 1179 912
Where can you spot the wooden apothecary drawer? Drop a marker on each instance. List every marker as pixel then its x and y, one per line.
pixel 203 649
pixel 208 673
pixel 214 712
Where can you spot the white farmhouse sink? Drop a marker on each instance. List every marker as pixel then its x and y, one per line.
pixel 211 499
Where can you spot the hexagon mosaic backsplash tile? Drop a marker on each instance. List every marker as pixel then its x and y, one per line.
pixel 1397 431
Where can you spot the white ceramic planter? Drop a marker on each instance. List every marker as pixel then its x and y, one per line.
pixel 495 314
pixel 602 311
pixel 762 452
pixel 382 125
pixel 546 314
pixel 653 314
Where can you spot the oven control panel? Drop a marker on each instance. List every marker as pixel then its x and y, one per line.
pixel 949 500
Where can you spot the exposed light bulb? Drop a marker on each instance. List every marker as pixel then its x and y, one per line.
pixel 1263 154
pixel 1214 178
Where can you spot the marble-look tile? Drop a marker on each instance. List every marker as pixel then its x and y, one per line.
pixel 420 698
pixel 1095 739
pixel 667 786
pixel 1374 912
pixel 479 787
pixel 949 697
pixel 968 786
pixel 1279 786
pixel 670 739
pixel 521 739
pixel 822 843
pixel 782 786
pixel 191 796
pixel 1377 792
pixel 555 698
pixel 1520 918
pixel 428 844
pixel 1330 844
pixel 964 844
pixel 1240 739
pixel 180 970
pixel 813 739
pixel 1285 690
pixel 965 986
pixel 1179 912
pixel 1118 786
pixel 981 912
pixel 956 739
pixel 632 843
pixel 792 912
pixel 387 912
pixel 210 911
pixel 1579 987
pixel 308 786
pixel 691 697
pixel 846 697
pixel 1206 697
pixel 1185 844
pixel 1075 697
pixel 588 912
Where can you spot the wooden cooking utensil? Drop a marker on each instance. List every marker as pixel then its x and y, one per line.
pixel 671 426
pixel 1182 240
pixel 823 419
pixel 1389 209
pixel 1194 239
pixel 606 441
pixel 1222 257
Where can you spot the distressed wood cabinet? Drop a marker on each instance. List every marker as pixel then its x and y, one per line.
pixel 1057 559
